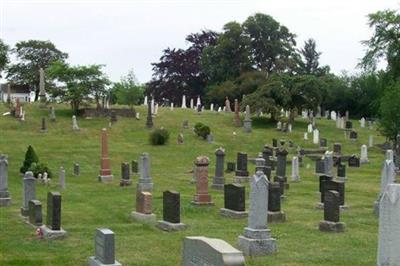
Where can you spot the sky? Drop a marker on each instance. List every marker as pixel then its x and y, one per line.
pixel 131 34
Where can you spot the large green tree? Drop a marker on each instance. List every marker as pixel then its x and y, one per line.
pixel 30 56
pixel 128 90
pixel 390 112
pixel 4 48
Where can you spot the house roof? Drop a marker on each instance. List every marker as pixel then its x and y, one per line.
pixel 16 88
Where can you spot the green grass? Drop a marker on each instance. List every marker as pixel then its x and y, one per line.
pixel 88 204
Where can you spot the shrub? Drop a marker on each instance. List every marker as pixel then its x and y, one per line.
pixel 159 136
pixel 201 130
pixel 40 168
pixel 30 157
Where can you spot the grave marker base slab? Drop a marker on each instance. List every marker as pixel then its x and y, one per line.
pixel 94 262
pixel 320 206
pixel 327 226
pixel 241 179
pixel 276 217
pixel 124 182
pixel 24 212
pixel 143 218
pixel 169 227
pixel 5 202
pixel 233 214
pixel 53 234
pixel 106 178
pixel 257 247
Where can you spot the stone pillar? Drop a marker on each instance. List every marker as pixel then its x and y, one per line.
pixel 149 121
pixel 364 154
pixel 35 213
pixel 29 192
pixel 370 141
pixel 183 102
pixel 43 128
pixel 202 196
pixel 247 120
pixel 295 169
pixel 62 178
pixel 219 180
pixel 52 114
pixel 238 123
pixel 42 90
pixel 5 198
pixel 75 126
pixel 105 170
pixel 242 175
pixel 316 136
pixel 145 181
pixel 388 176
pixel 125 175
pixel 256 239
pixel 281 155
pixel 76 169
pixel 227 105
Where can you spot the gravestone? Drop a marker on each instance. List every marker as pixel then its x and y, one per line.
pixel 143 212
pixel 281 181
pixel 183 102
pixel 35 213
pixel 316 136
pixel 219 180
pixel 305 136
pixel 275 214
pixel 202 197
pixel 134 166
pixel 281 155
pixel 230 167
pixel 242 175
pixel 75 126
pixel 388 176
pixel 389 233
pixel 295 169
pixel 336 185
pixel 331 221
pixel 29 192
pixel 362 122
pixel 354 161
pixel 42 90
pixel 149 120
pixel 76 169
pixel 105 167
pixel 5 198
pixel 274 143
pixel 62 178
pixel 341 172
pixel 323 143
pixel 371 141
pixel 53 229
pixel 238 122
pixel 43 127
pixel 180 138
pixel 320 166
pixel 113 117
pixel 202 251
pixel 191 103
pixel 364 154
pixel 185 124
pixel 210 138
pixel 104 245
pixel 322 179
pixel 353 135
pixel 125 175
pixel 309 128
pixel 52 114
pixel 349 125
pixel 337 148
pixel 260 164
pixel 256 239
pixel 171 212
pixel 279 126
pixel 267 154
pixel 234 201
pixel 145 182
pixel 247 120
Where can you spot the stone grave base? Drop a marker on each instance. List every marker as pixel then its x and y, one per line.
pixel 94 262
pixel 198 203
pixel 218 186
pixel 218 183
pixel 257 242
pixel 144 187
pixel 53 234
pixel 105 178
pixel 320 205
pixel 125 182
pixel 327 226
pixel 376 208
pixel 233 214
pixel 276 217
pixel 24 212
pixel 5 202
pixel 143 218
pixel 241 179
pixel 43 131
pixel 169 227
pixel 287 186
pixel 296 179
pixel 364 161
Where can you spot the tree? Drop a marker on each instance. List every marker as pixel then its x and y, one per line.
pixel 30 158
pixel 390 113
pixel 384 43
pixel 78 83
pixel 311 58
pixel 4 48
pixel 179 71
pixel 272 45
pixel 128 91
pixel 31 56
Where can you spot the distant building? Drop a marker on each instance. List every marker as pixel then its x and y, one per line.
pixel 21 92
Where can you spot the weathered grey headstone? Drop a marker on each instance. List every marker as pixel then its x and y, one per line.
pixel 149 120
pixel 247 120
pixel 42 90
pixel 316 136
pixel 202 251
pixel 389 233
pixel 230 167
pixel 331 221
pixel 349 125
pixel 234 201
pixel 364 154
pixel 35 212
pixel 371 141
pixel 337 148
pixel 275 214
pixel 354 161
pixel 62 178
pixel 388 176
pixel 145 182
pixel 75 126
pixel 260 164
pixel 5 198
pixel 104 245
pixel 219 180
pixel 341 172
pixel 323 143
pixel 256 239
pixel 29 192
pixel 335 185
pixel 52 114
pixel 43 127
pixel 353 135
pixel 242 174
pixel 274 143
pixel 125 175
pixel 295 169
pixel 171 212
pixel 267 154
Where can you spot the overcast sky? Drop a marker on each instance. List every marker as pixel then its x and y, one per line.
pixel 131 34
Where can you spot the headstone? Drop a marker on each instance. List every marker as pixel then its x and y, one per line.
pixel 388 176
pixel 185 124
pixel 274 143
pixel 219 180
pixel 305 136
pixel 105 168
pixel 353 135
pixel 191 103
pixel 52 114
pixel 156 109
pixel 247 120
pixel 316 136
pixel 42 91
pixel 275 214
pixel 134 166
pixel 5 198
pixel 180 138
pixel 267 154
pixel 242 174
pixel 260 164
pixel 145 100
pixel 336 185
pixel 201 251
pixel 281 155
pixel 29 192
pixel 43 127
pixel 309 128
pixel 76 169
pixel 125 175
pixel 75 126
pixel 295 169
pixel 349 125
pixel 347 115
pixel 172 107
pixel 143 212
pixel 149 120
pixel 354 161
pixel 62 178
pixel 362 122
pixel 256 239
pixel 210 138
pixel 331 221
pixel 364 154
pixel 202 197
pixel 227 105
pixel 234 201
pixel 230 167
pixel 337 148
pixel 104 244
pixel 145 182
pixel 52 229
pixel 237 121
pixel 171 212
pixel 323 143
pixel 152 105
pixel 389 233
pixel 183 102
pixel 341 172
pixel 279 126
pixel 333 115
pixel 35 213
pixel 370 141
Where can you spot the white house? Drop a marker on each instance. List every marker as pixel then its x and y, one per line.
pixel 21 92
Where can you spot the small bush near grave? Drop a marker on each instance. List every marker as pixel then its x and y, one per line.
pixel 159 136
pixel 40 168
pixel 201 130
pixel 30 157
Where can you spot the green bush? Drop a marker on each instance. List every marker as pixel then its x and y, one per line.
pixel 159 136
pixel 40 168
pixel 201 130
pixel 30 157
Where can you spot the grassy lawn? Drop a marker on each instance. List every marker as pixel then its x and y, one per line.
pixel 88 204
